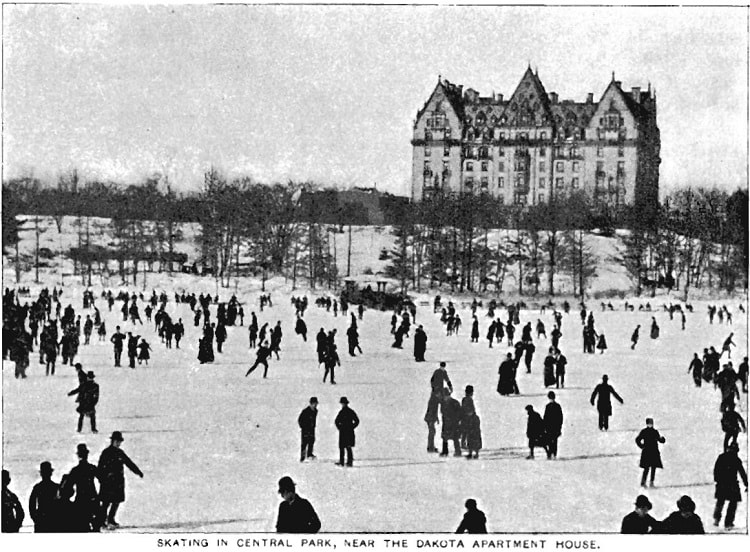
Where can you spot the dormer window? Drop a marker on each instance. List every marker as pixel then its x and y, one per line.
pixel 427 135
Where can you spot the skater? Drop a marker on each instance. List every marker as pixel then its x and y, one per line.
pixel 431 418
pixel 82 479
pixel 561 362
pixel 475 330
pixel 144 352
pixel 529 354
pixel 731 423
pixel 296 514
pixel 276 335
pixel 506 383
pixel 474 521
pixel 728 465
pixel 451 410
pixel 534 431
pixel 742 374
pixel 540 330
pixel 549 368
pixel 553 421
pixel 420 344
pixel 696 366
pixel 88 327
pixel 604 404
pixel 43 505
pixel 132 349
pixel 634 337
pixel 654 328
pixel 118 339
pixel 178 331
pixel 352 336
pixel 346 422
pixel 306 420
pixel 300 328
pixel 88 397
pixel 112 478
pixel 648 441
pixel 261 357
pixel 471 431
pixel 221 336
pixel 252 331
pixel 13 513
pixel 639 521
pixel 684 521
pixel 727 346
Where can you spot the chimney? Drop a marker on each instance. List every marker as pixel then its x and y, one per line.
pixel 636 92
pixel 590 98
pixel 553 97
pixel 618 84
pixel 500 98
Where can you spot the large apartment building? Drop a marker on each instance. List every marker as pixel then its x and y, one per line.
pixel 531 147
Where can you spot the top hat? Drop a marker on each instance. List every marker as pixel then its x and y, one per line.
pixel 45 467
pixel 82 449
pixel 90 374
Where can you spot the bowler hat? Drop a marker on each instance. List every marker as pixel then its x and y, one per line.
pixel 82 449
pixel 286 484
pixel 117 436
pixel 45 467
pixel 643 502
pixel 442 364
pixel 313 400
pixel 90 374
pixel 686 504
pixel 78 366
pixel 344 400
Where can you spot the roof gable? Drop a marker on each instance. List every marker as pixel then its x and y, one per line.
pixel 529 104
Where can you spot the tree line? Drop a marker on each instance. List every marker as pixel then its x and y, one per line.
pixel 696 239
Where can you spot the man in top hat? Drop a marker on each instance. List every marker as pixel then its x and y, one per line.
pixel 43 501
pixel 306 420
pixel 88 397
pixel 112 477
pixel 346 422
pixel 684 521
pixel 81 479
pixel 639 521
pixel 296 514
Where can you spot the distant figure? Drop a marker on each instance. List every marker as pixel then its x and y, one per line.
pixel 604 403
pixel 639 521
pixel 296 514
pixel 346 422
pixel 474 521
pixel 684 521
pixel 731 423
pixel 307 420
pixel 696 367
pixel 420 344
pixel 728 465
pixel 534 431
pixel 648 441
pixel 553 421
pixel 634 339
pixel 654 328
pixel 88 397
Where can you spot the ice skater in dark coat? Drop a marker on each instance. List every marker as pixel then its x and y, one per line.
pixel 474 521
pixel 604 404
pixel 296 514
pixel 728 466
pixel 634 337
pixel 112 477
pixel 639 521
pixel 346 422
pixel 648 441
pixel 534 431
pixel 88 397
pixel 451 410
pixel 262 356
pixel 307 420
pixel 43 501
pixel 420 344
pixel 696 366
pixel 553 421
pixel 300 328
pixel 82 478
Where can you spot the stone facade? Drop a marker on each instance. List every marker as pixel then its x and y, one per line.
pixel 532 146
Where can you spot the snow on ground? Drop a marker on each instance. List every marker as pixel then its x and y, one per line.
pixel 213 443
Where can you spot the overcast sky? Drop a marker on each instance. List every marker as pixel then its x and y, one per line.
pixel 329 94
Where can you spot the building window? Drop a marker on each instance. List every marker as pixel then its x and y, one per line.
pixel 574 183
pixel 484 166
pixel 560 166
pixel 485 182
pixel 501 200
pixel 599 151
pixel 446 168
pixel 448 132
pixel 575 166
pixel 469 166
pixel 620 151
pixel 621 168
pixel 427 135
pixel 501 152
pixel 427 151
pixel 501 182
pixel 559 182
pixel 501 166
pixel 541 183
pixel 542 166
pixel 446 150
pixel 502 137
pixel 540 198
pixel 542 151
pixel 469 182
pixel 542 135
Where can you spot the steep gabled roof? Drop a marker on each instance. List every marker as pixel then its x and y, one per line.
pixel 451 92
pixel 528 102
pixel 636 109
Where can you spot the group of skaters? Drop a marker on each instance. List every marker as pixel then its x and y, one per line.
pixel 346 422
pixel 86 499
